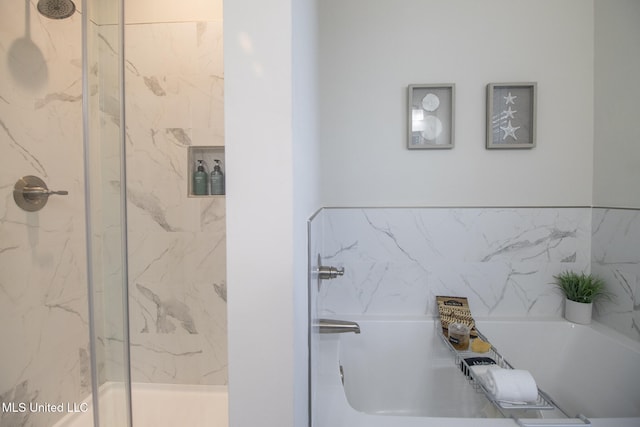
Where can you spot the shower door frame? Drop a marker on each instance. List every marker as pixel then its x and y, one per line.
pixel 94 180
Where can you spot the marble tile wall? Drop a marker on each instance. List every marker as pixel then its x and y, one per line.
pixel 503 259
pixel 174 83
pixel 43 297
pixel 616 259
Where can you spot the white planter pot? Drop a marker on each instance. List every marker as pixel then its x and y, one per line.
pixel 578 312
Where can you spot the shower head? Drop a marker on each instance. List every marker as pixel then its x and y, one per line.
pixel 56 9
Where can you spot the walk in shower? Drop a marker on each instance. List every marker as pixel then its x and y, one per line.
pixel 117 277
pixel 62 121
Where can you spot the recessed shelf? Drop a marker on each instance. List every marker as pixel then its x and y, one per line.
pixel 208 154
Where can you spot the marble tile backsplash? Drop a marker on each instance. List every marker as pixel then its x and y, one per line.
pixel 616 258
pixel 502 259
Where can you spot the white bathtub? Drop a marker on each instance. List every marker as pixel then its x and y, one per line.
pixel 156 405
pixel 399 373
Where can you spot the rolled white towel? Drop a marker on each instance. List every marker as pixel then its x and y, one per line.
pixel 510 385
pixel 478 372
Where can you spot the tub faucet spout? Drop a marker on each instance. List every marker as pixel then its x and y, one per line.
pixel 331 326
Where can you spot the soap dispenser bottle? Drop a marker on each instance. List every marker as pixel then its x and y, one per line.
pixel 217 179
pixel 200 180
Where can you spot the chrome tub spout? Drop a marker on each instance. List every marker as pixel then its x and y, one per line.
pixel 330 326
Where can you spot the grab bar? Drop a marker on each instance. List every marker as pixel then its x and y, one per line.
pixel 330 326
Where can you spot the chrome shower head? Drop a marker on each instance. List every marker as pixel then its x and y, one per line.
pixel 56 9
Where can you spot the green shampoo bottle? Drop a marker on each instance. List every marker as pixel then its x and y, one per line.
pixel 217 179
pixel 200 180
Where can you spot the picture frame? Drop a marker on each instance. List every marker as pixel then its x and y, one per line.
pixel 430 116
pixel 511 115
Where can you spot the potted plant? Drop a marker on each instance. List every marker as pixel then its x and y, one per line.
pixel 580 291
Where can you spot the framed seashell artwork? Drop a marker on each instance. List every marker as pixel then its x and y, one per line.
pixel 430 116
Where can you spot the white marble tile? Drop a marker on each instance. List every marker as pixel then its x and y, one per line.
pixel 167 47
pixel 43 310
pixel 175 92
pixel 209 48
pixel 616 259
pixel 179 333
pixel 213 216
pixel 503 260
pixel 206 102
pixel 177 243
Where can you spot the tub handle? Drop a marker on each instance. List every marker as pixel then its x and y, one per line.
pixel 327 272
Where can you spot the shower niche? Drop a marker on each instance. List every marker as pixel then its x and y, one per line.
pixel 208 157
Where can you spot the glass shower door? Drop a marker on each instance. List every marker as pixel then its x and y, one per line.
pixel 105 195
pixel 60 92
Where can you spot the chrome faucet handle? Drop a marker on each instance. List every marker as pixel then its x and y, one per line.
pixel 31 193
pixel 326 272
pixel 42 192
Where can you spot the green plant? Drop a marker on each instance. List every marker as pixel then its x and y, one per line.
pixel 584 288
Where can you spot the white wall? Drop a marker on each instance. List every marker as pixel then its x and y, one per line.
pixel 369 53
pixel 371 50
pixel 617 129
pixel 270 141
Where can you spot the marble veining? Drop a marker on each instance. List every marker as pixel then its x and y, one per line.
pixel 397 260
pixel 152 206
pixel 177 244
pixel 20 393
pixel 544 245
pixel 616 258
pixel 56 97
pixel 154 86
pixel 221 290
pixel 503 259
pixel 24 152
pixel 43 293
pixel 168 308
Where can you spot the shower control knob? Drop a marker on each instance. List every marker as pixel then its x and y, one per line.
pixel 325 272
pixel 31 193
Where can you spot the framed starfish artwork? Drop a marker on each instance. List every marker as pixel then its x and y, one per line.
pixel 430 116
pixel 511 115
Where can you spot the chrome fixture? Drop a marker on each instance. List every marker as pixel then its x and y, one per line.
pixel 325 272
pixel 31 193
pixel 330 326
pixel 56 9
